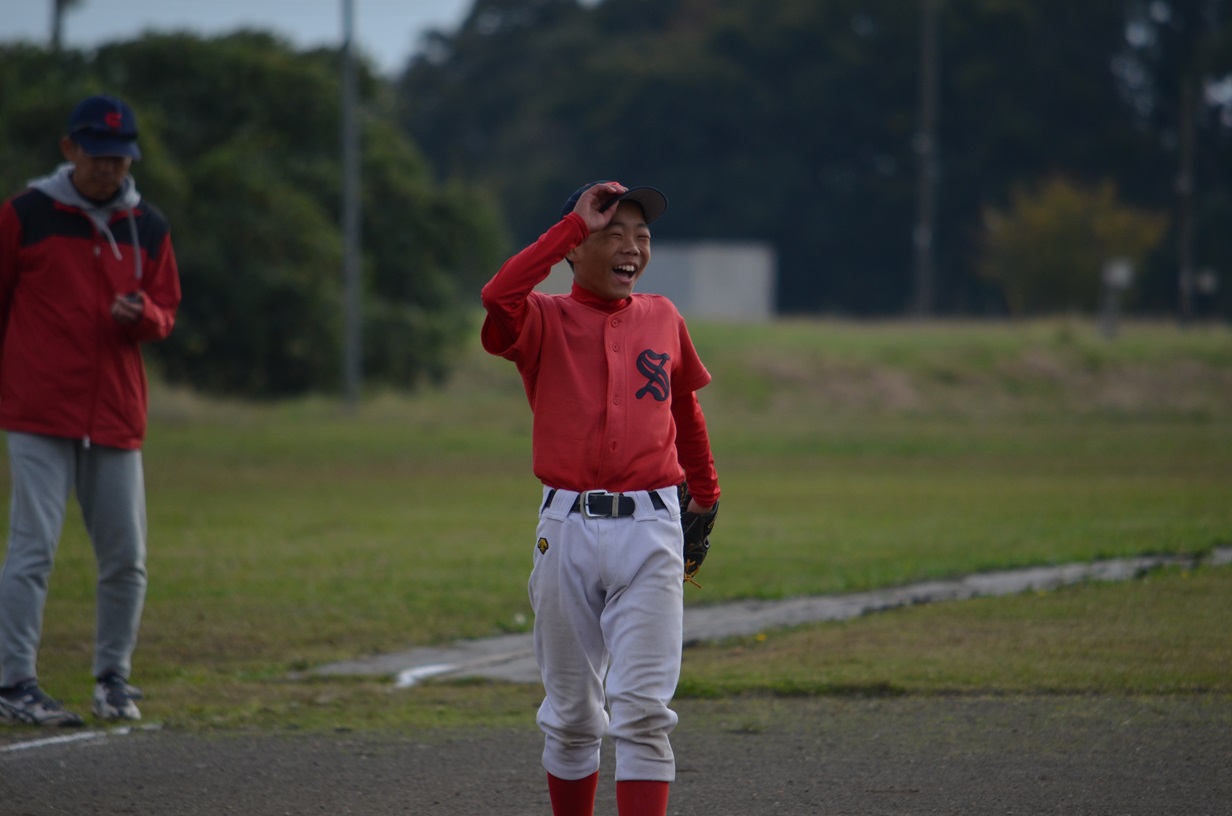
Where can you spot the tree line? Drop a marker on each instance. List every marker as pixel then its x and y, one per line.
pixel 241 140
pixel 796 122
pixel 1068 135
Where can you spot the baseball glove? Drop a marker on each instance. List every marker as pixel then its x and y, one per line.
pixel 696 528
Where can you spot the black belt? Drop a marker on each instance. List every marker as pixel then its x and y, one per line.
pixel 601 504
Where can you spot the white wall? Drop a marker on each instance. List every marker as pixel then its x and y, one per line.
pixel 724 280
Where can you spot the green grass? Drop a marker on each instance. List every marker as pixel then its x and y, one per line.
pixel 1165 634
pixel 852 456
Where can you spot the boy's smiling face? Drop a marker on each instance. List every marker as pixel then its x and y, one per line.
pixel 609 262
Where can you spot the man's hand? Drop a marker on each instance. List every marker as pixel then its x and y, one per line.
pixel 592 203
pixel 127 309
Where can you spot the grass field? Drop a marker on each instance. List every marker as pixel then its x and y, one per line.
pixel 851 456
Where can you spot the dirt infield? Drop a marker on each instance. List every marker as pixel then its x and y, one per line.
pixel 736 757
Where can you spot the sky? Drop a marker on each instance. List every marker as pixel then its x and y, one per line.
pixel 387 31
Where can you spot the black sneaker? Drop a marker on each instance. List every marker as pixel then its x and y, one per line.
pixel 26 703
pixel 114 699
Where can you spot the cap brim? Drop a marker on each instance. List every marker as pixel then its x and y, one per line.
pixel 652 202
pixel 108 146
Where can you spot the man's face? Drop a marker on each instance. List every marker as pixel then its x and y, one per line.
pixel 96 177
pixel 611 260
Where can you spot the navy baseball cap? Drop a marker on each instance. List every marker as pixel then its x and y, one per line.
pixel 105 126
pixel 653 202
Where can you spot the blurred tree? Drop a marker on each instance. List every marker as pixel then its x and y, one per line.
pixel 1175 59
pixel 1026 93
pixel 1049 250
pixel 790 122
pixel 37 92
pixel 241 139
pixel 734 109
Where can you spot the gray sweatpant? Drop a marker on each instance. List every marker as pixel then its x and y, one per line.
pixel 110 487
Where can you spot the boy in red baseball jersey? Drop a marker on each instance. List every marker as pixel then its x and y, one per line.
pixel 611 378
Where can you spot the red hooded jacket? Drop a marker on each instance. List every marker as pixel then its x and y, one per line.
pixel 67 368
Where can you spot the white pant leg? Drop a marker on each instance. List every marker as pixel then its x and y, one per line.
pixel 643 627
pixel 567 598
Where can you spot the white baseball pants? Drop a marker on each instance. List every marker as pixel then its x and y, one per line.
pixel 608 600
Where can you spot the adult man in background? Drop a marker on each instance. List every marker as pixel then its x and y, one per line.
pixel 87 274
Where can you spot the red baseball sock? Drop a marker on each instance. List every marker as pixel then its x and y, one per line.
pixel 573 797
pixel 641 798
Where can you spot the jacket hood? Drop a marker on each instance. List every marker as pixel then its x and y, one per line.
pixel 59 186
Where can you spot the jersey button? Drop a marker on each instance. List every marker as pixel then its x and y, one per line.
pixel 615 400
pixel 615 346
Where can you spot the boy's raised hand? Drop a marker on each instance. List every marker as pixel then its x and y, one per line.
pixel 592 204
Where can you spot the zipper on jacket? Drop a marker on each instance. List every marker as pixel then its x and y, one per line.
pixel 100 281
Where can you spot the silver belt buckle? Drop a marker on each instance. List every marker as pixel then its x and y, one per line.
pixel 612 507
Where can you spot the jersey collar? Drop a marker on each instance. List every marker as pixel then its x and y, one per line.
pixel 588 298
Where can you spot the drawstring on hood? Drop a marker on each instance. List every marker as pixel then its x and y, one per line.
pixel 59 186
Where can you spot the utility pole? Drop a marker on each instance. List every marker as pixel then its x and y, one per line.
pixel 59 8
pixel 352 355
pixel 1185 198
pixel 926 149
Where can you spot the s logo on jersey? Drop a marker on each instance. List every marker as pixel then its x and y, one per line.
pixel 653 366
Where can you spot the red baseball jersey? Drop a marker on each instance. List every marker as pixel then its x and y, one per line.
pixel 611 383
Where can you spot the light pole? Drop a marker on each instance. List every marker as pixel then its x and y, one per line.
pixel 1185 202
pixel 926 149
pixel 59 8
pixel 352 329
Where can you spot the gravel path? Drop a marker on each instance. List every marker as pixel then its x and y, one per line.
pixel 736 757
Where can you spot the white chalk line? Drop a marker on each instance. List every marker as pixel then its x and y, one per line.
pixel 47 742
pixel 79 736
pixel 409 677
